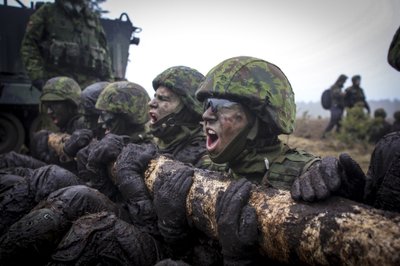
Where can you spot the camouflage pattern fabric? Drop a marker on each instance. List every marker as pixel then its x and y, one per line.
pixel 183 81
pixel 61 43
pixel 259 85
pixel 126 98
pixel 275 165
pixel 353 95
pixel 61 89
pixel 393 56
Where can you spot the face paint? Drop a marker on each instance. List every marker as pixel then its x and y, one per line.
pixel 223 122
pixel 165 102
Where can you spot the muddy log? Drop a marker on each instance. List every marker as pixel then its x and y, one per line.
pixel 335 232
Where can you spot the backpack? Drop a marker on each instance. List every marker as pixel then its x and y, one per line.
pixel 326 100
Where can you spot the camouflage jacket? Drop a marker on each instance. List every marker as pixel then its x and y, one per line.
pixel 353 95
pixel 337 96
pixel 61 44
pixel 277 166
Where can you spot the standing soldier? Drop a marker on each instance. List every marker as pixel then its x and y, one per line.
pixel 337 98
pixel 66 38
pixel 355 94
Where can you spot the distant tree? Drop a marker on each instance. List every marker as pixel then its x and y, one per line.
pixel 355 126
pixel 95 4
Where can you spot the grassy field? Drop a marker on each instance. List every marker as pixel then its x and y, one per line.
pixel 307 136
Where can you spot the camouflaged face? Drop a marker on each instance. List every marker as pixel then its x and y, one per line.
pixel 125 97
pixel 61 89
pixel 184 81
pixel 257 84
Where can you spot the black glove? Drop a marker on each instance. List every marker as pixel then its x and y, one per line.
pixel 325 178
pixel 40 148
pixel 237 224
pixel 170 194
pixel 38 83
pixel 352 177
pixel 79 139
pixel 106 150
pixel 129 167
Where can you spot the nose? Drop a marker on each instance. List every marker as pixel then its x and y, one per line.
pixel 209 115
pixel 152 103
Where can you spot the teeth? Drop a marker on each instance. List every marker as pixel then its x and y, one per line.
pixel 211 132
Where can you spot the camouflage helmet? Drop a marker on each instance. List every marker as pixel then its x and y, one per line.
pixel 380 112
pixel 124 97
pixel 61 89
pixel 184 81
pixel 257 84
pixel 90 95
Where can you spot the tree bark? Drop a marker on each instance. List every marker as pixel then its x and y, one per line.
pixel 334 232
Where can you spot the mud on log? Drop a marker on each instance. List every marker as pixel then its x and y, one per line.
pixel 335 232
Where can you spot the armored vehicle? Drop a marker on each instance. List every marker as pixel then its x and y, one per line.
pixel 19 100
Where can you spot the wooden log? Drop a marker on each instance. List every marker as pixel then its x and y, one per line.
pixel 333 232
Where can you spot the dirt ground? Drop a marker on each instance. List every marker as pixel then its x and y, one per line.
pixel 307 136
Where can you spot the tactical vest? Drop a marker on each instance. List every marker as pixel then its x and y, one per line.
pixel 74 43
pixel 287 167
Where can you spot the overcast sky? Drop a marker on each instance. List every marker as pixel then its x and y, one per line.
pixel 312 41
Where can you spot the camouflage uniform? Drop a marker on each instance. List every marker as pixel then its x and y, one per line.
pixel 265 159
pixel 62 41
pixel 393 56
pixel 337 104
pixel 184 138
pixel 355 94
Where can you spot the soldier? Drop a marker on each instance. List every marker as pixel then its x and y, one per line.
pixel 90 114
pixel 393 56
pixel 174 120
pixel 378 126
pixel 175 115
pixel 248 102
pixel 61 98
pixel 66 38
pixel 123 117
pixel 355 94
pixel 396 122
pixel 337 106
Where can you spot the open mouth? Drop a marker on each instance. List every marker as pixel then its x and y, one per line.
pixel 212 139
pixel 153 117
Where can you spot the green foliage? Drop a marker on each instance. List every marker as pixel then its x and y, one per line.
pixel 355 126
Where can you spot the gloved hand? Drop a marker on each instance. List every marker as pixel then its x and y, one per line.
pixel 352 177
pixel 80 138
pixel 129 167
pixel 170 194
pixel 237 224
pixel 106 150
pixel 40 148
pixel 38 83
pixel 327 177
